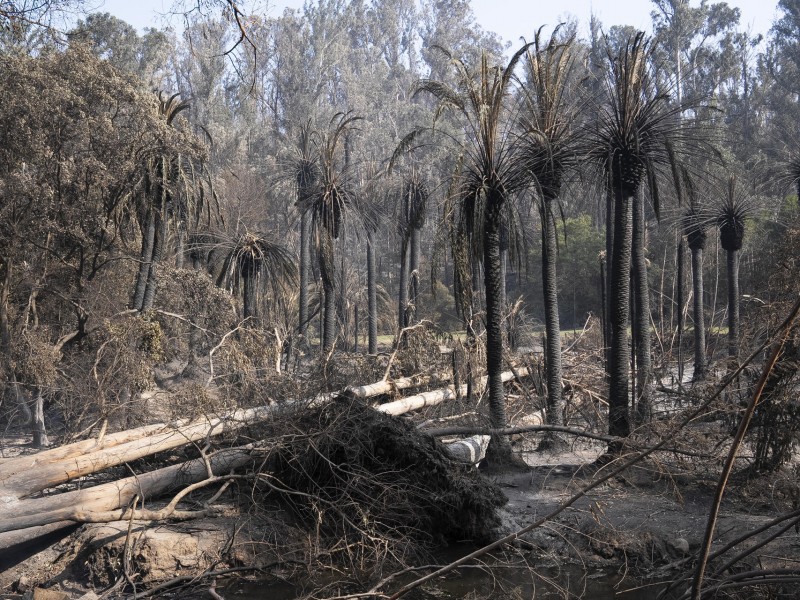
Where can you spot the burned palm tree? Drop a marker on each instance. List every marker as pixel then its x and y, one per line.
pixel 254 264
pixel 303 170
pixel 695 226
pixel 412 204
pixel 327 202
pixel 630 141
pixel 731 216
pixel 176 188
pixel 486 183
pixel 550 130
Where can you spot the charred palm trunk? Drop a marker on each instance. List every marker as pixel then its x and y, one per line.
pixel 733 303
pixel 158 254
pixel 681 300
pixel 555 401
pixel 327 270
pixel 609 262
pixel 372 295
pixel 305 268
pixel 604 303
pixel 494 333
pixel 402 308
pixel 697 241
pixel 731 239
pixel 504 247
pixel 145 259
pixel 250 292
pixel 413 268
pixel 619 302
pixel 641 313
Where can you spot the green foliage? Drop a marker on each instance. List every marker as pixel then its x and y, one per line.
pixel 578 273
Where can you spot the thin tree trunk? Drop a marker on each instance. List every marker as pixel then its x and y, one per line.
pixel 372 295
pixel 40 439
pixel 158 253
pixel 555 402
pixel 413 273
pixel 641 312
pixel 609 265
pixel 305 268
pixel 402 308
pixel 681 285
pixel 619 299
pixel 250 292
pixel 145 259
pixel 733 303
pixel 699 317
pixel 328 273
pixel 355 329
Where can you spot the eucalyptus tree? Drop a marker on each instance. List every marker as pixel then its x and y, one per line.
pixel 74 136
pixel 551 136
pixel 483 104
pixel 332 196
pixel 732 213
pixel 630 141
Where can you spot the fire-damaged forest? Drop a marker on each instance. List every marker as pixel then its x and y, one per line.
pixel 358 301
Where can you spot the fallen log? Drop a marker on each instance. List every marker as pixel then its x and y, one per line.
pixel 432 398
pixel 80 505
pixel 388 386
pixel 33 473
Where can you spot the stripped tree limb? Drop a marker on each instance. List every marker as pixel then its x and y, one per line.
pixel 79 505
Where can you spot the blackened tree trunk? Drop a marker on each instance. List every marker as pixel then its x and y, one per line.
pixel 733 303
pixel 305 268
pixel 619 299
pixel 328 274
pixel 555 401
pixel 372 295
pixel 413 274
pixel 145 258
pixel 641 313
pixel 609 261
pixel 402 308
pixel 158 252
pixel 680 301
pixel 250 291
pixel 494 333
pixel 697 312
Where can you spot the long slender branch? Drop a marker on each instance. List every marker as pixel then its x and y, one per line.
pixel 626 465
pixel 705 548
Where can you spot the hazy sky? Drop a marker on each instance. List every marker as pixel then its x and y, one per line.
pixel 510 18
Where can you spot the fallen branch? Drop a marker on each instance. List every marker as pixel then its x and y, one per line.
pixel 447 431
pixel 729 461
pixel 598 482
pixel 432 398
pixel 33 473
pixel 79 505
pixel 387 386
